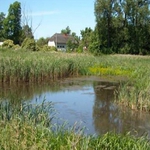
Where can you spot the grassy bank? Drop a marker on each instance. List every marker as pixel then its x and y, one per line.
pixel 29 127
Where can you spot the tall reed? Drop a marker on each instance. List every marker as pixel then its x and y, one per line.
pixel 18 66
pixel 29 127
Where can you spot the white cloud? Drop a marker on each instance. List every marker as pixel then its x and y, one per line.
pixel 43 13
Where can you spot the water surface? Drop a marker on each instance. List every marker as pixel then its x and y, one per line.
pixel 84 102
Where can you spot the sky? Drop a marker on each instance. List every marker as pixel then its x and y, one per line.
pixel 51 16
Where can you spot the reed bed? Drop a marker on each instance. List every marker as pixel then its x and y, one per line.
pixel 37 66
pixel 28 126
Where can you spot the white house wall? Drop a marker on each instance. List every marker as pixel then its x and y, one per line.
pixel 51 43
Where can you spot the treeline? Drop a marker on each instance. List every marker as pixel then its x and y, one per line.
pixel 123 26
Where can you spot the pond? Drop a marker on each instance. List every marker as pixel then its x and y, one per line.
pixel 85 102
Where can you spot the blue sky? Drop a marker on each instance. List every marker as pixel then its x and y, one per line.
pixel 54 15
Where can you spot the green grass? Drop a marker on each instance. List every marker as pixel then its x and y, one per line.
pixel 29 126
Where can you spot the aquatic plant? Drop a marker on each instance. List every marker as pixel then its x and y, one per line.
pixel 29 127
pixel 22 66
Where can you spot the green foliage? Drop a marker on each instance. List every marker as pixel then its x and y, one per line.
pixel 71 46
pixel 42 41
pixel 73 43
pixel 2 17
pixel 26 32
pixel 8 44
pixel 29 44
pixel 94 44
pixel 48 48
pixel 29 126
pixel 66 31
pixel 123 26
pixel 86 37
pixel 12 23
pixel 17 47
pixel 94 48
pixel 79 49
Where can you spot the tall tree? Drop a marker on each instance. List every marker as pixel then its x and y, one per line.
pixel 2 17
pixel 105 11
pixel 12 23
pixel 123 25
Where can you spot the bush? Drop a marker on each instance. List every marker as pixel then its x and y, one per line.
pixel 48 48
pixel 94 48
pixel 16 47
pixel 8 44
pixel 80 49
pixel 29 44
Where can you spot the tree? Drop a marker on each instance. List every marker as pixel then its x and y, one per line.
pixel 2 17
pixel 12 23
pixel 94 44
pixel 86 37
pixel 26 32
pixel 103 13
pixel 42 41
pixel 123 25
pixel 73 42
pixel 66 31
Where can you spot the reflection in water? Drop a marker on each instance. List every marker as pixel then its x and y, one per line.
pixel 108 117
pixel 18 92
pixel 105 113
pixel 83 99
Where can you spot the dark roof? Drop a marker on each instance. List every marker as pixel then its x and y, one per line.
pixel 61 38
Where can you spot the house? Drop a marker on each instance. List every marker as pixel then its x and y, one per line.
pixel 59 40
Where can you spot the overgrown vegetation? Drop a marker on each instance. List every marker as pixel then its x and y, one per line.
pixel 28 126
pixel 31 66
pixel 123 26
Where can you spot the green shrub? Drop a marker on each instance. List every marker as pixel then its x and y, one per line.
pixel 16 47
pixel 80 49
pixel 8 44
pixel 29 44
pixel 48 48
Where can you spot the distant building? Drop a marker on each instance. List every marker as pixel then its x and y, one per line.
pixel 59 41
